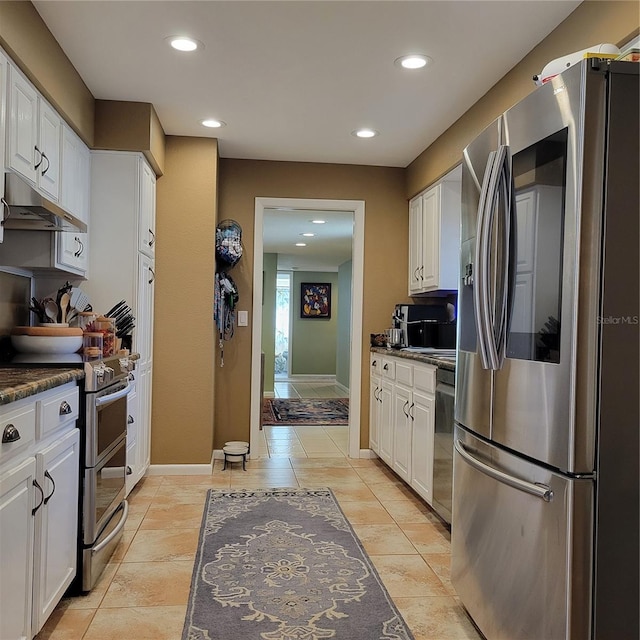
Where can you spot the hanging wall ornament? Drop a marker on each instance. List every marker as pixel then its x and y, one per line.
pixel 228 243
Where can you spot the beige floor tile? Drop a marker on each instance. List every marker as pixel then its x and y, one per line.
pixel 180 516
pixel 138 623
pixel 353 493
pixel 385 491
pixel 66 624
pixel 149 584
pixel 321 447
pixel 378 475
pixel 409 511
pixel 297 454
pixel 320 463
pixel 326 454
pixel 365 513
pixel 151 480
pixel 263 483
pixel 173 481
pixel 329 475
pixel 383 539
pixel 441 565
pixel 428 538
pixel 93 599
pixel 123 545
pixel 183 494
pixel 364 463
pixel 281 449
pixel 160 545
pixel 407 576
pixel 268 463
pixel 143 491
pixel 436 618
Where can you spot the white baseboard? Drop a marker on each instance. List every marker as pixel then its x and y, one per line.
pixel 181 469
pixel 368 453
pixel 342 387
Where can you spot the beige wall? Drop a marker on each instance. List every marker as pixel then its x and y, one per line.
pixel 30 44
pixel 385 261
pixel 183 356
pixel 591 23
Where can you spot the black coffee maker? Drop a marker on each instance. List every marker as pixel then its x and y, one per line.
pixel 424 325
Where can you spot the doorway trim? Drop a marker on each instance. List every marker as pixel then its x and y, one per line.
pixel 357 287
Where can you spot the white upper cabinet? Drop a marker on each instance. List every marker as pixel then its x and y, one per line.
pixel 434 237
pixel 147 219
pixel 34 136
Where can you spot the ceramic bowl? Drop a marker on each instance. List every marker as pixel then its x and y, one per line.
pixel 46 344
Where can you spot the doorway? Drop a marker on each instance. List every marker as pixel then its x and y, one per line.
pixel 356 207
pixel 282 360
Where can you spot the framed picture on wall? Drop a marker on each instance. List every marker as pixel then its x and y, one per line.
pixel 315 300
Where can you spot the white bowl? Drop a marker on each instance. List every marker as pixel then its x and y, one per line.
pixel 46 344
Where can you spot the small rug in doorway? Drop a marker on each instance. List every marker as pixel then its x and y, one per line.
pixel 284 564
pixel 305 411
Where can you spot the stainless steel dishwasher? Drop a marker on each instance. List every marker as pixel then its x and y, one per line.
pixel 443 443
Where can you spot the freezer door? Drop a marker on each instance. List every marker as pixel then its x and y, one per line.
pixel 473 383
pixel 521 540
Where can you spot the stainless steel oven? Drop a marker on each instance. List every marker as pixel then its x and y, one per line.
pixel 103 504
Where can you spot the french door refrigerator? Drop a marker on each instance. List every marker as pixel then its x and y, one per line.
pixel 545 495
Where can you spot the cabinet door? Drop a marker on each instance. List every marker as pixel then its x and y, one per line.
pixel 4 66
pixel 402 427
pixel 374 406
pixel 144 315
pixel 422 445
pixel 133 420
pixel 416 265
pixel 49 136
pixel 385 424
pixel 147 220
pixel 16 549
pixel 431 238
pixel 72 251
pixel 56 524
pixel 23 126
pixel 144 422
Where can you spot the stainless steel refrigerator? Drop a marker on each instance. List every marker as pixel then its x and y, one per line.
pixel 545 495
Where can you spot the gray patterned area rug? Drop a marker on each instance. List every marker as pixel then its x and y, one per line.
pixel 284 564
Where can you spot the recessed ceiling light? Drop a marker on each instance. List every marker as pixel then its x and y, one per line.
pixel 301 244
pixel 413 61
pixel 318 221
pixel 364 133
pixel 213 124
pixel 308 235
pixel 184 43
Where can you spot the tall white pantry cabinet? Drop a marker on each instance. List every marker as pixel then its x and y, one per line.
pixel 122 237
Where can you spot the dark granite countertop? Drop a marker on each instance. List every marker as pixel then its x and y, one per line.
pixel 444 362
pixel 21 382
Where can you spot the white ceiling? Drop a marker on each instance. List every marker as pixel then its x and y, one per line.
pixel 292 80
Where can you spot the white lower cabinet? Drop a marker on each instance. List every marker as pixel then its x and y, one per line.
pixel 39 477
pixel 139 425
pixel 402 419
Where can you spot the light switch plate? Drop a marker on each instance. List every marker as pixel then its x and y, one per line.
pixel 243 318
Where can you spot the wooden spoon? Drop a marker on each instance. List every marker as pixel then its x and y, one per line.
pixel 51 309
pixel 65 298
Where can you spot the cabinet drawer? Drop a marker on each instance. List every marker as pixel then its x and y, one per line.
pixel 57 410
pixel 375 365
pixel 424 378
pixel 389 369
pixel 404 373
pixel 23 421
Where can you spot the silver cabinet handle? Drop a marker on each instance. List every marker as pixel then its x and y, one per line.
pixel 153 275
pixel 37 166
pixel 534 489
pixel 374 363
pixel 112 397
pixel 10 434
pixel 152 241
pixel 422 272
pixel 65 408
pixel 48 475
pixel 413 404
pixel 129 470
pixel 44 155
pixel 39 488
pixel 130 420
pixel 132 376
pixel 386 367
pixel 404 408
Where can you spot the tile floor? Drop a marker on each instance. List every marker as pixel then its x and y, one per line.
pixel 143 593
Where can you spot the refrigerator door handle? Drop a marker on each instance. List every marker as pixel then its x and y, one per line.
pixel 480 288
pixel 537 490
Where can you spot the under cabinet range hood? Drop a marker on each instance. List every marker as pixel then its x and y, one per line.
pixel 26 209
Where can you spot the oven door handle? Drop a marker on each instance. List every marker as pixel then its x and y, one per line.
pixel 112 397
pixel 116 531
